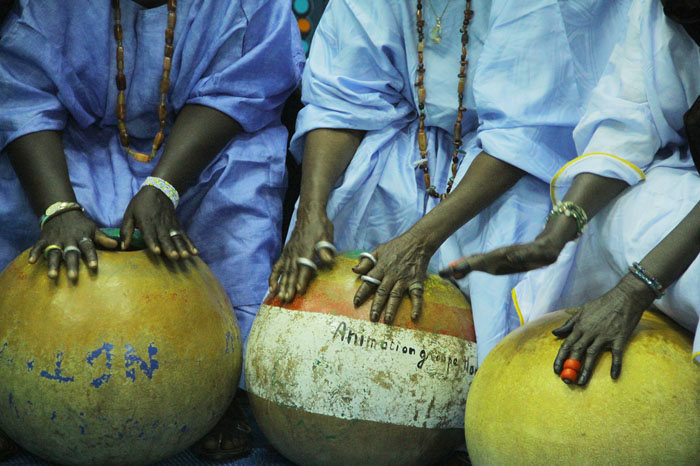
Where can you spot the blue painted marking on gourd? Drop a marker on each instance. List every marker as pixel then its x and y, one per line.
pixel 107 349
pixel 132 359
pixel 57 372
pixel 30 365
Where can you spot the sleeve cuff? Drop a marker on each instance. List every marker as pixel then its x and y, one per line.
pixel 598 163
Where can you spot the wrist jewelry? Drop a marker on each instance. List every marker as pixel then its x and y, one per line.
pixel 639 272
pixel 570 210
pixel 58 208
pixel 165 187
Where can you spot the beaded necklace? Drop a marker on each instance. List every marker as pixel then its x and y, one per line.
pixel 164 82
pixel 457 138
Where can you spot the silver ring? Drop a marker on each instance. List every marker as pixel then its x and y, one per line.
pixel 325 245
pixel 307 263
pixel 370 257
pixel 415 286
pixel 83 240
pixel 368 279
pixel 174 233
pixel 69 249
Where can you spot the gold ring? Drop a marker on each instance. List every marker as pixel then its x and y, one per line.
pixel 50 248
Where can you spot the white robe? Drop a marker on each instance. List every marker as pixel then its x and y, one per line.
pixel 632 131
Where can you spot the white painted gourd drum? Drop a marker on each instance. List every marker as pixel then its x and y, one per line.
pixel 328 386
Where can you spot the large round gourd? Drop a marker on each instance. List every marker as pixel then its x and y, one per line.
pixel 328 386
pixel 129 366
pixel 519 412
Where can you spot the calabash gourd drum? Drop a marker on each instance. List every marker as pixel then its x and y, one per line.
pixel 328 386
pixel 520 412
pixel 126 367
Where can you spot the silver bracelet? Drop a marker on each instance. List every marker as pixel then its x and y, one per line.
pixel 165 187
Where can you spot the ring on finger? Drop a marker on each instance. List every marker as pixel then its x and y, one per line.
pixel 368 279
pixel 70 249
pixel 307 263
pixel 50 248
pixel 325 245
pixel 370 257
pixel 416 286
pixel 174 233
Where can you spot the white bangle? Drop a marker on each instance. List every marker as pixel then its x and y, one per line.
pixel 165 187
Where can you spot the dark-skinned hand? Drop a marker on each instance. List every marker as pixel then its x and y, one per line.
pixel 509 259
pixel 401 263
pixel 154 214
pixel 70 228
pixel 602 324
pixel 288 277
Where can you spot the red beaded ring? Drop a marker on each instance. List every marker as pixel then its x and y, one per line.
pixel 571 370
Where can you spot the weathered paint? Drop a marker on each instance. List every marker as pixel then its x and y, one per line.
pixel 127 367
pixel 322 376
pixel 354 369
pixel 520 412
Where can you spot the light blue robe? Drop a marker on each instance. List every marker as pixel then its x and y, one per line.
pixel 241 57
pixel 632 131
pixel 524 96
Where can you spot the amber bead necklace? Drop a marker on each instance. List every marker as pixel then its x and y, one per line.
pixel 457 138
pixel 164 82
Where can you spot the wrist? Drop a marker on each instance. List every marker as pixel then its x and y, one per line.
pixel 311 209
pixel 558 231
pixel 636 291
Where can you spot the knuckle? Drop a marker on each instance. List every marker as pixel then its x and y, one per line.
pixel 382 291
pixel 396 294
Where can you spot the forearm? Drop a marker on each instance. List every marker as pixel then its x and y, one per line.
pixel 485 181
pixel 672 256
pixel 40 164
pixel 327 153
pixel 198 135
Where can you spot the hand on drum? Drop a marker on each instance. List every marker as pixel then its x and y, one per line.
pixel 154 214
pixel 65 238
pixel 312 238
pixel 390 272
pixel 602 324
pixel 507 260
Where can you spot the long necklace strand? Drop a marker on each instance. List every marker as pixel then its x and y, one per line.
pixel 164 82
pixel 457 137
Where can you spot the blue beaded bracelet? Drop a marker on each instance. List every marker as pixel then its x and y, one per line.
pixel 165 187
pixel 639 272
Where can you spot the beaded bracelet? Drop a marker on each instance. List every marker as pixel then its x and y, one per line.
pixel 570 210
pixel 165 187
pixel 639 272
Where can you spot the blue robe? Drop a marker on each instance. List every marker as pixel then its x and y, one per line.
pixel 632 131
pixel 524 95
pixel 241 57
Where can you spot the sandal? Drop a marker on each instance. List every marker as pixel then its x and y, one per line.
pixel 234 423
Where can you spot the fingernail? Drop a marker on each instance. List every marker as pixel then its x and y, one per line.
pixel 356 302
pixel 373 316
pixel 195 251
pixel 92 264
pixel 414 316
pixel 567 381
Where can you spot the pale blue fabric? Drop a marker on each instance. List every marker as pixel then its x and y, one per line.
pixel 241 57
pixel 524 98
pixel 636 114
